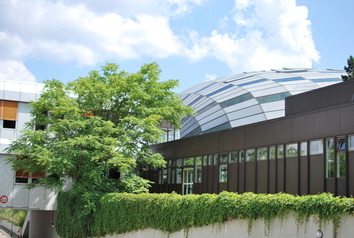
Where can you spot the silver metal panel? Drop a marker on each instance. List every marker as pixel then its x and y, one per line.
pixel 218 121
pixel 248 120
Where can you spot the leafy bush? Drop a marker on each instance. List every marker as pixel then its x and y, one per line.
pixel 118 213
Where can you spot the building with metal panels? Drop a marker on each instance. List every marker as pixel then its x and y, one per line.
pixel 265 132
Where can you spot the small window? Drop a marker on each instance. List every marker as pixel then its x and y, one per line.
pixel 242 156
pixel 341 165
pixel 262 153
pixel 303 148
pixel 216 159
pixel 179 176
pixel 329 158
pixel 179 162
pixel 280 152
pixel 198 160
pixel 189 162
pixel 223 173
pixel 233 157
pixel 272 152
pixel 351 142
pixel 341 144
pixel 210 159
pixel 291 150
pixel 223 158
pixel 9 124
pixel 205 160
pixel 316 147
pixel 250 155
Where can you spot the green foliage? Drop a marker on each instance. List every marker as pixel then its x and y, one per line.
pixel 349 69
pixel 120 213
pixel 97 125
pixel 16 217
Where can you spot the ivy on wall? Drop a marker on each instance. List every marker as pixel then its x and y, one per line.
pixel 117 213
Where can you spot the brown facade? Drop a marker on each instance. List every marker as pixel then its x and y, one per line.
pixel 309 151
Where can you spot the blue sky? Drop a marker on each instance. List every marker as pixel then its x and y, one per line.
pixel 191 40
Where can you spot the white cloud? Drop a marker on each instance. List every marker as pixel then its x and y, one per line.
pixel 269 34
pixel 15 70
pixel 210 77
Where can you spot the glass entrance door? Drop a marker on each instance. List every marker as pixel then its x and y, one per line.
pixel 188 174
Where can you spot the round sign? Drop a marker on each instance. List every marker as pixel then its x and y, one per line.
pixel 4 199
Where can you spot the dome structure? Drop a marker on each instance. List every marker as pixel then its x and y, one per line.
pixel 247 98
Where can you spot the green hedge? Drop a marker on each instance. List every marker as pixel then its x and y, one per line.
pixel 119 213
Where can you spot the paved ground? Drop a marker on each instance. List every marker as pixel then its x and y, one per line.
pixel 6 234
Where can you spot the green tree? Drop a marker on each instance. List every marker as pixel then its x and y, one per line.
pixel 349 69
pixel 96 125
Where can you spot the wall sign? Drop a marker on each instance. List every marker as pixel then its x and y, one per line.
pixel 4 199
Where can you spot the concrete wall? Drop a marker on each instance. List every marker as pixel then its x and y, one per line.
pixel 42 224
pixel 19 196
pixel 238 228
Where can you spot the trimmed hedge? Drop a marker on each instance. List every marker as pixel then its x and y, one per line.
pixel 117 213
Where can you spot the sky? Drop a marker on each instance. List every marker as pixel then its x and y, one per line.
pixel 192 40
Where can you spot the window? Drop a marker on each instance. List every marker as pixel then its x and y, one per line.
pixel 250 155
pixel 303 148
pixel 205 160
pixel 26 177
pixel 179 162
pixel 316 147
pixel 341 165
pixel 210 159
pixel 233 157
pixel 8 113
pixel 351 142
pixel 223 158
pixel 280 152
pixel 215 159
pixel 330 158
pixel 291 150
pixel 242 156
pixel 223 173
pixel 179 176
pixel 189 162
pixel 262 153
pixel 272 152
pixel 341 144
pixel 198 169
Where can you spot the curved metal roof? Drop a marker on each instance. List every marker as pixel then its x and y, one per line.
pixel 247 98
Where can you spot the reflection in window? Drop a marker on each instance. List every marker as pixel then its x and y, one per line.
pixel 179 162
pixel 341 165
pixel 316 147
pixel 303 148
pixel 291 150
pixel 233 157
pixel 330 158
pixel 250 155
pixel 205 160
pixel 223 158
pixel 280 151
pixel 173 176
pixel 341 144
pixel 223 173
pixel 242 156
pixel 216 156
pixel 272 152
pixel 189 162
pixel 262 153
pixel 179 176
pixel 210 159
pixel 198 169
pixel 351 142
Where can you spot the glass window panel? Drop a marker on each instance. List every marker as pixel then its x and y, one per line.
pixel 291 150
pixel 280 151
pixel 179 162
pixel 223 173
pixel 351 142
pixel 216 158
pixel 273 98
pixel 316 147
pixel 198 160
pixel 233 157
pixel 341 144
pixel 198 174
pixel 303 148
pixel 164 178
pixel 330 158
pixel 272 152
pixel 205 160
pixel 242 156
pixel 210 159
pixel 223 158
pixel 262 153
pixel 341 165
pixel 173 176
pixel 179 176
pixel 250 155
pixel 189 162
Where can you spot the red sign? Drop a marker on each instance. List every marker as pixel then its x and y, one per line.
pixel 4 199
